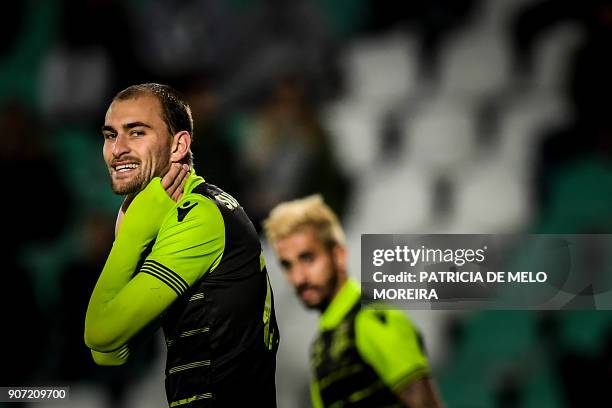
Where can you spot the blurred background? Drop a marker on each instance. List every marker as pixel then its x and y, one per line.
pixel 428 116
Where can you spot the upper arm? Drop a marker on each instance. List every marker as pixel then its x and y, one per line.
pixel 183 252
pixel 190 244
pixel 388 341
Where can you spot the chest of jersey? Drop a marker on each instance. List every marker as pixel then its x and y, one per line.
pixel 344 379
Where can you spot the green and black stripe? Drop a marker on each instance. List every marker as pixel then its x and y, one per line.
pixel 166 275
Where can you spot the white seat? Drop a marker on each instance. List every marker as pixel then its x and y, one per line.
pixel 382 69
pixel 441 136
pixel 498 14
pixel 523 125
pixel 354 134
pixel 553 56
pixel 390 199
pixel 491 198
pixel 474 64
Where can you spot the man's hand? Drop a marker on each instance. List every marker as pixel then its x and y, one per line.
pixel 173 182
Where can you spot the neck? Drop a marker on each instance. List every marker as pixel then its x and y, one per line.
pixel 339 285
pixel 341 280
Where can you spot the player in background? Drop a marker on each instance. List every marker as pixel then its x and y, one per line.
pixel 362 357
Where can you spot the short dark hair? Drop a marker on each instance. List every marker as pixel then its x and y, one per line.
pixel 176 112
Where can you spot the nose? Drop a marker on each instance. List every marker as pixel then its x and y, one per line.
pixel 298 276
pixel 120 146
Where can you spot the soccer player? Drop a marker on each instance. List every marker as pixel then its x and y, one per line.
pixel 362 356
pixel 185 257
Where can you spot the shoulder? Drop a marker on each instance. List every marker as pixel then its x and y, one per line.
pixel 376 318
pixel 194 208
pixel 193 216
pixel 384 328
pixel 192 238
pixel 389 342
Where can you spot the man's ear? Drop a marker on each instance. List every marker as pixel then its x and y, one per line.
pixel 181 143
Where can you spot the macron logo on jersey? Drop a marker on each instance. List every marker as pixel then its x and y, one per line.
pixel 183 210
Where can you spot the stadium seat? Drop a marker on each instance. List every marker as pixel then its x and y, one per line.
pixel 552 53
pixel 474 64
pixel 441 136
pixel 355 134
pixel 381 69
pixel 491 198
pixel 524 123
pixel 390 199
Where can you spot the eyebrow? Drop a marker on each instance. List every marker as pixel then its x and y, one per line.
pixel 132 125
pixel 304 254
pixel 127 126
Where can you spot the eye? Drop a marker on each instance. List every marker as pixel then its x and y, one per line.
pixel 137 133
pixel 285 265
pixel 307 257
pixel 109 135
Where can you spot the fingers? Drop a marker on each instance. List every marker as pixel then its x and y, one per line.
pixel 172 173
pixel 176 178
pixel 176 186
pixel 178 192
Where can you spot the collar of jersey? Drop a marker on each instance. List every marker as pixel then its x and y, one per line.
pixel 340 305
pixel 193 180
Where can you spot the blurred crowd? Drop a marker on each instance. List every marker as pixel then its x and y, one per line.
pixel 469 116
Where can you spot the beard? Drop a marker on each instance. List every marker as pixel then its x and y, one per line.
pixel 326 291
pixel 130 187
pixel 141 179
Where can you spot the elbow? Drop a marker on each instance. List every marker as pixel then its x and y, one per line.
pixel 102 340
pixel 110 359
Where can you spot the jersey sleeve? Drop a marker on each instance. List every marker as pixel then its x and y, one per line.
pixel 113 358
pixel 190 243
pixel 388 341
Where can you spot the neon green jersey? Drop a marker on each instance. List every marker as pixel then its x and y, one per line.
pixel 195 268
pixel 364 356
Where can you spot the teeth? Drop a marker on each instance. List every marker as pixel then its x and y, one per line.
pixel 125 167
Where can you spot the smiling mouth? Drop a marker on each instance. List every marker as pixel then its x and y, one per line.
pixel 124 168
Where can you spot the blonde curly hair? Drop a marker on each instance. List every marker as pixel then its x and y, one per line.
pixel 292 216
